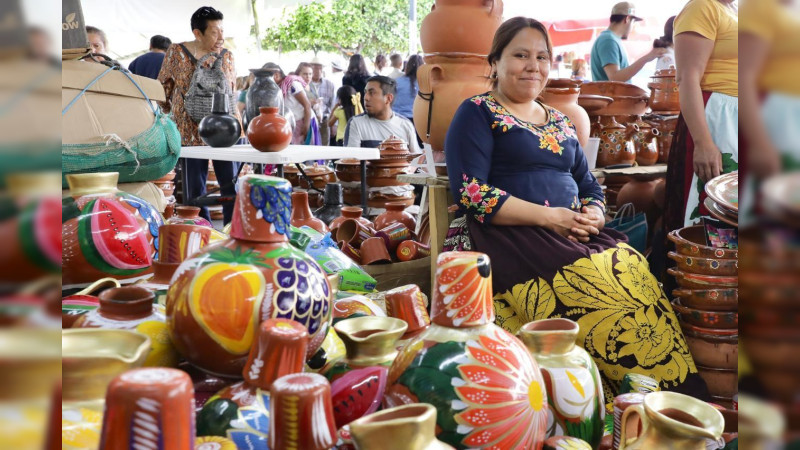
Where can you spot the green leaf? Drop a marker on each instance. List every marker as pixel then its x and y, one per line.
pixel 215 417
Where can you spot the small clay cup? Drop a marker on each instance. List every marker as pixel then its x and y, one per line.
pixel 411 250
pixel 397 233
pixel 374 251
pixel 354 232
pixel 301 413
pixel 350 251
pixel 408 304
pixel 177 242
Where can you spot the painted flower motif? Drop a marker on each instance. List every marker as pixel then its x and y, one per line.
pixel 502 401
pixel 646 336
pixel 478 197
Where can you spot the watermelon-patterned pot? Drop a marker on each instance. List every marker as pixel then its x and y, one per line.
pixel 240 411
pixel 106 232
pixel 486 387
pixel 220 295
pixel 574 390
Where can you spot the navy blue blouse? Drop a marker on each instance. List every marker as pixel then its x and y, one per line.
pixel 491 154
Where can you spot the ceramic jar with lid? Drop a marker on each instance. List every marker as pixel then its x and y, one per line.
pixel 319 175
pixel 106 232
pixel 221 294
pixel 665 95
pixel 269 131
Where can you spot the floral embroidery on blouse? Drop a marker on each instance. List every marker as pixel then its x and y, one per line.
pixel 481 198
pixel 586 201
pixel 550 135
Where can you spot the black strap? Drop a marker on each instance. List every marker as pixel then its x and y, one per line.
pixel 429 99
pixel 188 53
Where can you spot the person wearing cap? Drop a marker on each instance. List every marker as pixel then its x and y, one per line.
pixel 609 61
pixel 337 72
pixel 322 94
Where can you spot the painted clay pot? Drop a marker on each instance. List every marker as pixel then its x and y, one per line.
pixel 709 299
pixel 565 443
pixel 78 304
pixel 319 175
pixel 447 81
pixel 374 251
pixel 471 25
pixel 411 250
pixel 461 362
pixel 331 352
pixel 333 203
pixel 706 319
pixel 690 241
pixel 301 213
pixel 149 407
pixel 644 142
pixel 106 232
pixel 407 303
pixel 370 341
pixel 355 233
pixel 351 212
pixel 395 212
pixel 565 99
pixel 221 294
pixel 301 413
pixel 671 421
pixel 220 128
pixel 406 427
pixel 264 92
pixel 132 308
pixel 355 306
pixel 240 411
pixel 189 215
pixel 397 233
pixel 712 347
pixel 176 244
pixel 615 145
pixel 666 132
pixel 665 94
pixel 574 389
pixel 706 266
pixel 269 131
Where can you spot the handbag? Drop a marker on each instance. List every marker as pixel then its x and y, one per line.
pixel 632 225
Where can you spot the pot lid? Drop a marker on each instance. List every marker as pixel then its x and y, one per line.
pixel 317 170
pixel 348 161
pixel 393 146
pixel 671 72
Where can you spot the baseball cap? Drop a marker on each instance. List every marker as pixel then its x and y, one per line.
pixel 625 9
pixel 317 61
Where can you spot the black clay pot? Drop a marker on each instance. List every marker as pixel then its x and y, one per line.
pixel 333 203
pixel 264 92
pixel 219 129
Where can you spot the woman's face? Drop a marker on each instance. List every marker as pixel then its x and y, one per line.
pixel 523 66
pixel 96 42
pixel 305 73
pixel 213 39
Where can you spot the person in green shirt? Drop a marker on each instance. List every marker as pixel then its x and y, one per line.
pixel 609 61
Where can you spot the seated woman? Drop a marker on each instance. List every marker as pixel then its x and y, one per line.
pixel 527 199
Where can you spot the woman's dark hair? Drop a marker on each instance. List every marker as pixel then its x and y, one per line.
pixel 665 41
pixel 414 61
pixel 506 33
pixel 160 42
pixel 202 16
pixel 345 95
pixel 357 67
pixel 275 68
pixel 302 66
pixel 380 59
pixel 99 32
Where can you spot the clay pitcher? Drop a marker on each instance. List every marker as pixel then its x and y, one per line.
pixel 565 99
pixel 407 427
pixel 671 421
pixel 470 26
pixel 644 142
pixel 615 144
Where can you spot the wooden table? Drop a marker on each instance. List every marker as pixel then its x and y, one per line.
pixel 291 155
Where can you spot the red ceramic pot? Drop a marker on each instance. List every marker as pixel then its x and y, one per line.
pixel 351 212
pixel 301 213
pixel 348 170
pixel 301 413
pixel 471 24
pixel 320 176
pixel 396 212
pixel 150 408
pixel 616 146
pixel 565 99
pixel 223 292
pixel 269 132
pixel 645 144
pixel 189 215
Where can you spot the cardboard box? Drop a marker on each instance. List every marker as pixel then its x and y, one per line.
pixel 113 105
pixel 390 276
pixel 73 26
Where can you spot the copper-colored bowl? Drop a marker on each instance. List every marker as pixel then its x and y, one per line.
pixel 563 83
pixel 695 281
pixel 705 266
pixel 348 169
pixel 612 89
pixel 709 299
pixel 593 103
pixel 720 382
pixel 691 241
pixel 706 319
pixel 712 347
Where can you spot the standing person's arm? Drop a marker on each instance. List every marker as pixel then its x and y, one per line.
pixel 614 73
pixel 166 77
pixel 332 119
pixel 300 95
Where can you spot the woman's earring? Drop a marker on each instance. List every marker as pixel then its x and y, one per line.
pixel 494 75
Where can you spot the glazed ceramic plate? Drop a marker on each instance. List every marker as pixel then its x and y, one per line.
pixel 718 213
pixel 593 103
pixel 724 189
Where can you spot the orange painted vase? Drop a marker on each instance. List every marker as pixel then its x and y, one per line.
pixel 302 414
pixel 106 232
pixel 220 295
pixel 486 387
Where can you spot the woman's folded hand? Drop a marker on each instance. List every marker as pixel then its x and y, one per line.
pixel 567 223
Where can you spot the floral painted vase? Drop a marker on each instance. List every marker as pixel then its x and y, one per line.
pixel 406 427
pixel 574 390
pixel 106 232
pixel 241 410
pixel 565 443
pixel 301 412
pixel 487 389
pixel 132 308
pixel 189 215
pixel 220 295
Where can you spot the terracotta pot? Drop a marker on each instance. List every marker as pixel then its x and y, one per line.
pixel 593 103
pixel 350 212
pixel 574 389
pixel 411 250
pixel 396 212
pixel 380 176
pixel 666 129
pixel 269 132
pixel 292 174
pixel 665 96
pixel 397 233
pixel 447 83
pixel 280 349
pixel 471 25
pixel 189 215
pixel 640 193
pixel 644 142
pixel 118 230
pixel 76 305
pixel 407 427
pixel 463 356
pixel 394 148
pixel 712 347
pixel 408 304
pixel 352 252
pixel 660 193
pixel 709 299
pixel 616 146
pixel 148 406
pixel 256 273
pixel 180 241
pixel 354 232
pixel 320 176
pixel 706 319
pixel 688 280
pixel 374 251
pixel 691 241
pixel 348 169
pixel 301 414
pixel 705 266
pixel 612 89
pixel 301 213
pixel 565 99
pixel 720 382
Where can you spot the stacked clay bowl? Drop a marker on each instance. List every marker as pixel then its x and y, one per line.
pixel 707 302
pixel 383 173
pixel 348 171
pixel 320 176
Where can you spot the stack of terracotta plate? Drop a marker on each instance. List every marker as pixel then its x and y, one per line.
pixel 723 198
pixel 382 174
pixel 707 303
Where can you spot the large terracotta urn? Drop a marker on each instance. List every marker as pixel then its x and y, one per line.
pixel 269 131
pixel 221 294
pixel 470 26
pixel 444 83
pixel 563 96
pixel 486 387
pixel 106 232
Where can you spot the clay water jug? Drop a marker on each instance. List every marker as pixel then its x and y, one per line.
pixel 463 361
pixel 269 131
pixel 221 294
pixel 264 92
pixel 220 128
pixel 302 215
pixel 470 26
pixel 671 421
pixel 644 142
pixel 565 99
pixel 351 212
pixel 616 146
pixel 395 212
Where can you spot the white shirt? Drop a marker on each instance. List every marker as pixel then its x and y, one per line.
pixel 365 131
pixel 666 60
pixel 294 105
pixel 395 73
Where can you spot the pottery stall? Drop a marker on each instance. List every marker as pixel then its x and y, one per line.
pixel 384 188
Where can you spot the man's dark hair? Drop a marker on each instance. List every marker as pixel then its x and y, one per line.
pixel 618 18
pixel 99 32
pixel 388 85
pixel 160 42
pixel 202 16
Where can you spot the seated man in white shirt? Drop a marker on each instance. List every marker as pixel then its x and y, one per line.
pixel 379 121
